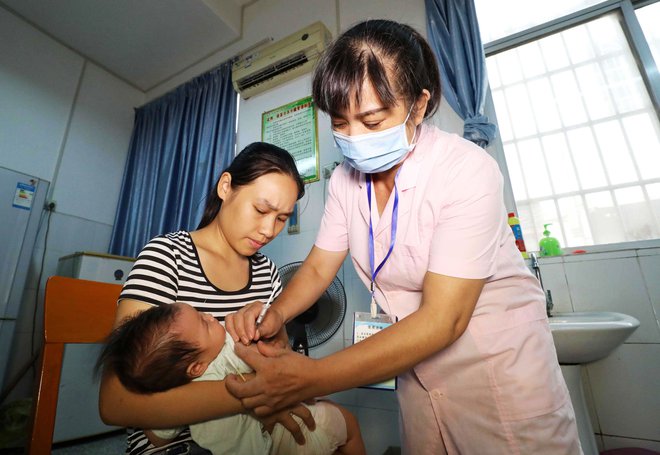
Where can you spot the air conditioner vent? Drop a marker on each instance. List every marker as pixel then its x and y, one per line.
pixel 273 70
pixel 279 62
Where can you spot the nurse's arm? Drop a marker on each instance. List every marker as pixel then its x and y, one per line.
pixel 305 287
pixel 445 311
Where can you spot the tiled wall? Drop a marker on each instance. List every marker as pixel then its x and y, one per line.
pixel 622 390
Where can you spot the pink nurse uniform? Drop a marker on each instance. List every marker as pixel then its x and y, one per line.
pixel 497 389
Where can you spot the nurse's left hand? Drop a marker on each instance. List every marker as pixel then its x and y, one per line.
pixel 280 379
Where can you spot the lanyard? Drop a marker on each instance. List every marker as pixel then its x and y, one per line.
pixel 395 212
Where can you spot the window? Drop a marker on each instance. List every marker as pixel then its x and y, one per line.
pixel 501 18
pixel 579 128
pixel 649 18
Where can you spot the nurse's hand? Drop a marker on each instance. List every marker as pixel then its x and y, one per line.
pixel 280 379
pixel 242 325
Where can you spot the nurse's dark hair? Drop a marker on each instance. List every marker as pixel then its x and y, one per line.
pixel 254 161
pixel 365 52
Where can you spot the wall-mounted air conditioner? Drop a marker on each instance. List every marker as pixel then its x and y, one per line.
pixel 279 62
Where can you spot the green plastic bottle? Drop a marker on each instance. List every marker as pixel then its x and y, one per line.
pixel 549 246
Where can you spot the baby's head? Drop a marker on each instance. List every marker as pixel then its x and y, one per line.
pixel 163 347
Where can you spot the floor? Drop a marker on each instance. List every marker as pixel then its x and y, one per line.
pixel 110 444
pixel 107 444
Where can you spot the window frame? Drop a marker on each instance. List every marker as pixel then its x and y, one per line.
pixel 641 52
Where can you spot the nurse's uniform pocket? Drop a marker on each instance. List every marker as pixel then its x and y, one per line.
pixel 407 268
pixel 410 260
pixel 521 362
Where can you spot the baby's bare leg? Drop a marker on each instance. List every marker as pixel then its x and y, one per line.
pixel 354 443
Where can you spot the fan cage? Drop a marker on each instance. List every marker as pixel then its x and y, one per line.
pixel 331 309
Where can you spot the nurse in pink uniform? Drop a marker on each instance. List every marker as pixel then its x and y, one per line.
pixel 477 368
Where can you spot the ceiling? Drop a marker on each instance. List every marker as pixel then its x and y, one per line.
pixel 144 42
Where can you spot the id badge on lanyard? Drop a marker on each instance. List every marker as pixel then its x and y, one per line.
pixel 367 324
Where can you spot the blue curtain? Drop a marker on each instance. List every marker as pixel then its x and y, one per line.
pixel 453 33
pixel 180 144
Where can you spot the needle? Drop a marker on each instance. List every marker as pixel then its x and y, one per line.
pixel 261 316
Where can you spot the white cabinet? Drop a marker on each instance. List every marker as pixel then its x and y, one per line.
pixel 95 267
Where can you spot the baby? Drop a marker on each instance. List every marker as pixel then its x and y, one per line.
pixel 170 345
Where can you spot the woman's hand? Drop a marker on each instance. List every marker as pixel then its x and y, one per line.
pixel 242 325
pixel 281 379
pixel 285 418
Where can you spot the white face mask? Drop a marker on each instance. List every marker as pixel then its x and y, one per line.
pixel 376 152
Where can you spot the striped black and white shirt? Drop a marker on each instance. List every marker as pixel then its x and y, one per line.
pixel 168 270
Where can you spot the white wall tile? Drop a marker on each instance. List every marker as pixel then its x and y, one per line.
pixel 648 252
pixel 334 344
pixel 49 268
pixel 70 234
pixel 377 399
pixel 554 280
pixel 380 429
pixel 19 357
pixel 22 344
pixel 67 235
pixel 590 400
pixel 28 302
pixel 600 256
pixel 650 266
pixel 625 388
pixel 543 260
pixel 599 442
pixel 295 247
pixel 346 397
pixel 311 207
pixel 89 175
pixel 613 285
pixel 274 251
pixel 101 239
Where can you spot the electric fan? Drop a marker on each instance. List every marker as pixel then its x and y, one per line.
pixel 320 321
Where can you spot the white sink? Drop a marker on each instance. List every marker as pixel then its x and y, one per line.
pixel 583 338
pixel 589 336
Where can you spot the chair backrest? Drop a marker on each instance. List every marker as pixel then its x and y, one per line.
pixel 75 311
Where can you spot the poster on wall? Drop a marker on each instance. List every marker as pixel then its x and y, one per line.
pixel 293 127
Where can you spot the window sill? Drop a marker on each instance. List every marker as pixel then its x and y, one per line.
pixel 606 251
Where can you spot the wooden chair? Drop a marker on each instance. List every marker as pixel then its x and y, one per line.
pixel 75 311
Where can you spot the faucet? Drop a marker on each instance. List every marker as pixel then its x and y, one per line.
pixel 548 295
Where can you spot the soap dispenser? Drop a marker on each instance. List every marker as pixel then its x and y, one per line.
pixel 549 246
